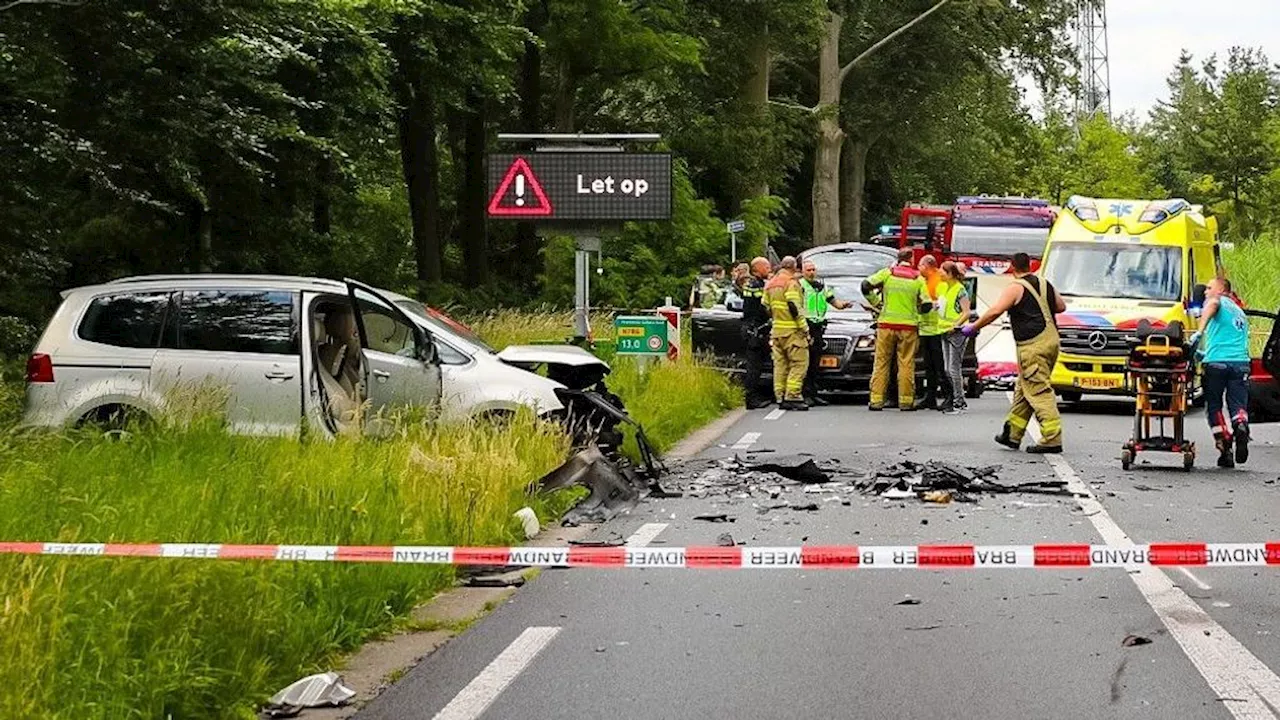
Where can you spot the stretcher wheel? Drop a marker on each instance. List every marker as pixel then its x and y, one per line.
pixel 1188 460
pixel 1126 458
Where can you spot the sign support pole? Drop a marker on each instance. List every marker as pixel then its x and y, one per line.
pixel 733 248
pixel 584 246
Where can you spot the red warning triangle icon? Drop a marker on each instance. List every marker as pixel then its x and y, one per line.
pixel 527 199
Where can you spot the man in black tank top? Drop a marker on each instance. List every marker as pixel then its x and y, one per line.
pixel 1032 304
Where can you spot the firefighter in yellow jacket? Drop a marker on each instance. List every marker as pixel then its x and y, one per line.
pixel 789 337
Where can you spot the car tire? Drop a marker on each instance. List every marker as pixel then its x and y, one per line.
pixel 115 418
pixel 1071 396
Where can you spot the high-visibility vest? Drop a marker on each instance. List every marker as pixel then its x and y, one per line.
pixel 780 291
pixel 951 317
pixel 904 292
pixel 816 300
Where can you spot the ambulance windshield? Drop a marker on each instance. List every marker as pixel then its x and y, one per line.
pixel 1130 272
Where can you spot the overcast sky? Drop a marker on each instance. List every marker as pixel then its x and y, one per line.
pixel 1146 37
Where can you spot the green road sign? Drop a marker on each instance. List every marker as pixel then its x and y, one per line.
pixel 640 334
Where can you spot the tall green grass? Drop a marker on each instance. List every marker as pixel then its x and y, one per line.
pixel 1253 267
pixel 147 638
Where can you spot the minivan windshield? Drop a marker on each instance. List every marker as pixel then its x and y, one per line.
pixel 1131 272
pixel 442 323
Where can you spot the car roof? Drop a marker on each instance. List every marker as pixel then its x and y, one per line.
pixel 846 247
pixel 222 280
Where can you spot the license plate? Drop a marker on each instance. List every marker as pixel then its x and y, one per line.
pixel 829 361
pixel 1104 383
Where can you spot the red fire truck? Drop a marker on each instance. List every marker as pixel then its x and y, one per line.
pixel 983 231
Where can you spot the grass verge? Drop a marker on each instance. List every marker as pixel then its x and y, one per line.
pixel 120 638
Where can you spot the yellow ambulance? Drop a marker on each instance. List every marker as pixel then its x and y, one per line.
pixel 1116 262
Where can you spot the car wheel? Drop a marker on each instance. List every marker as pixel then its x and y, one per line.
pixel 115 419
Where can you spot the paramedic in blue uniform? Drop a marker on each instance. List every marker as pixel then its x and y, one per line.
pixel 1224 360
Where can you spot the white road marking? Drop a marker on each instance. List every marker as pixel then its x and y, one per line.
pixel 775 414
pixel 1198 582
pixel 1227 665
pixel 747 441
pixel 645 534
pixel 480 693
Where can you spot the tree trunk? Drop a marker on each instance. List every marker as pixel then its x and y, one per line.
pixel 566 95
pixel 201 220
pixel 474 200
pixel 853 184
pixel 755 93
pixel 826 160
pixel 528 261
pixel 421 165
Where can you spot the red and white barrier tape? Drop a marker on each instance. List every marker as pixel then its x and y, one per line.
pixel 832 556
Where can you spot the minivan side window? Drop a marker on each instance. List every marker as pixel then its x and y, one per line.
pixel 245 321
pixel 129 320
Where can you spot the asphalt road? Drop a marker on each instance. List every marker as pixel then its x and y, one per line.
pixel 997 644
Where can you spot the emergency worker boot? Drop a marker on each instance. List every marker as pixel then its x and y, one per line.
pixel 1003 439
pixel 796 405
pixel 1242 442
pixel 1225 460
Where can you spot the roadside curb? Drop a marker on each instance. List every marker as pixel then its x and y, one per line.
pixel 705 436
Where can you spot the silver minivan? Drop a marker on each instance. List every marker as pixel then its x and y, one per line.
pixel 285 351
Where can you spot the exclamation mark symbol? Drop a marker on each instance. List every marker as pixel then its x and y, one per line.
pixel 520 190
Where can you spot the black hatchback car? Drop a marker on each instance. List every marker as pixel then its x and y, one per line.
pixel 848 351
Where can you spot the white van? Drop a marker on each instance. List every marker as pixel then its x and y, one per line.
pixel 285 350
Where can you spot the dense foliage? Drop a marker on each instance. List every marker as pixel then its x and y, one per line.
pixel 347 137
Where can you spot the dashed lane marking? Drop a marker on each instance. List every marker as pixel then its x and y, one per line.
pixel 480 693
pixel 646 534
pixel 775 414
pixel 747 441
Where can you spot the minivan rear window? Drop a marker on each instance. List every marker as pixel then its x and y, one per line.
pixel 130 320
pixel 243 321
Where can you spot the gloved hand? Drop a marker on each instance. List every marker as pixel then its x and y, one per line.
pixel 1195 338
pixel 969 330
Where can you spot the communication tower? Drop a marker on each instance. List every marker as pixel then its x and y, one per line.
pixel 1094 93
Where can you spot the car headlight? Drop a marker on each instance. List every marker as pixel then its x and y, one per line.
pixel 866 342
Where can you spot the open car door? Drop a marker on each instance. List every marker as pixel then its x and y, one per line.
pixel 1264 378
pixel 401 367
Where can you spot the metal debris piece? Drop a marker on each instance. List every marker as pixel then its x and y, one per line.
pixel 1132 640
pixel 323 690
pixel 718 518
pixel 806 472
pixel 725 540
pixel 908 601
